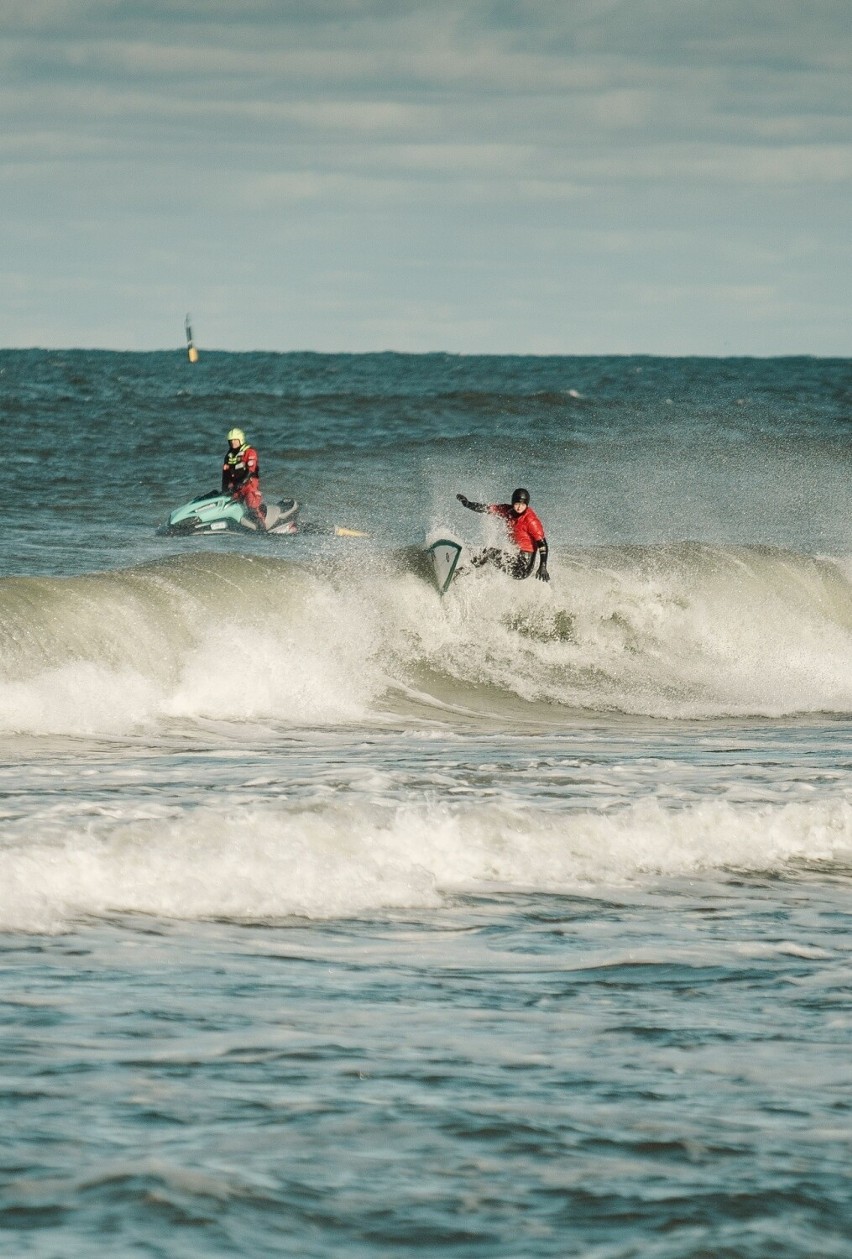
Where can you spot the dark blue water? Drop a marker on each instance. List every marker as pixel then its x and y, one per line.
pixel 616 449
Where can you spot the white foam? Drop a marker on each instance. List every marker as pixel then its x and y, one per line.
pixel 79 698
pixel 672 631
pixel 338 860
pixel 243 649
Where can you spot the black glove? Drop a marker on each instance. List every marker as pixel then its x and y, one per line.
pixel 464 501
pixel 542 574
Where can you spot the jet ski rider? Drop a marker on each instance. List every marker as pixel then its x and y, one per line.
pixel 241 476
pixel 526 533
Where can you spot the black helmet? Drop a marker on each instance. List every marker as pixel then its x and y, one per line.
pixel 521 496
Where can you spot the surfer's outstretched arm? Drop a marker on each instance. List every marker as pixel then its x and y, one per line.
pixel 465 502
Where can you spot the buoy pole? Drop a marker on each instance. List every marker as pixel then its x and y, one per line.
pixel 192 353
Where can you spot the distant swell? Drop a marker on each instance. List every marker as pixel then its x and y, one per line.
pixel 667 631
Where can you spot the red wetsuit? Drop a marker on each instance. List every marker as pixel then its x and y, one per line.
pixel 526 531
pixel 241 477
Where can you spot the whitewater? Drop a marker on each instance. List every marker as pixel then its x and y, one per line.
pixel 338 917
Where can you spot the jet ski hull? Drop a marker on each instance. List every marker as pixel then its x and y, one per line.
pixel 214 512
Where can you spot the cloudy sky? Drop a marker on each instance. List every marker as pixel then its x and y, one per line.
pixel 530 176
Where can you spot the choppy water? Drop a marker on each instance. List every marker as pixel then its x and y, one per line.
pixel 338 918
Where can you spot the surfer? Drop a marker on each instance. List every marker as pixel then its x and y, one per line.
pixel 526 533
pixel 241 476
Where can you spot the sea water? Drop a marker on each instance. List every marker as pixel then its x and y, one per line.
pixel 338 918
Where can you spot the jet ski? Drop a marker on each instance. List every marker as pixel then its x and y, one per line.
pixel 215 512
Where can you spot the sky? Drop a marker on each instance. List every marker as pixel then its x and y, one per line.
pixel 467 176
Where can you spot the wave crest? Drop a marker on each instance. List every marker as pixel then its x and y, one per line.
pixel 668 631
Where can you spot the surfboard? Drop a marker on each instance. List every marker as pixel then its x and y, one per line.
pixel 445 554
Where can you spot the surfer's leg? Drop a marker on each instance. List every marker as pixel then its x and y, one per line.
pixel 517 564
pixel 522 564
pixel 488 555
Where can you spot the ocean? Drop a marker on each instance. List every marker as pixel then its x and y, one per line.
pixel 341 919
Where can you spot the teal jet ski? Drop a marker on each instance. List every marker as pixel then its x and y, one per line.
pixel 215 512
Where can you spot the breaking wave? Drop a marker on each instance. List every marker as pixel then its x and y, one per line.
pixel 334 860
pixel 664 631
